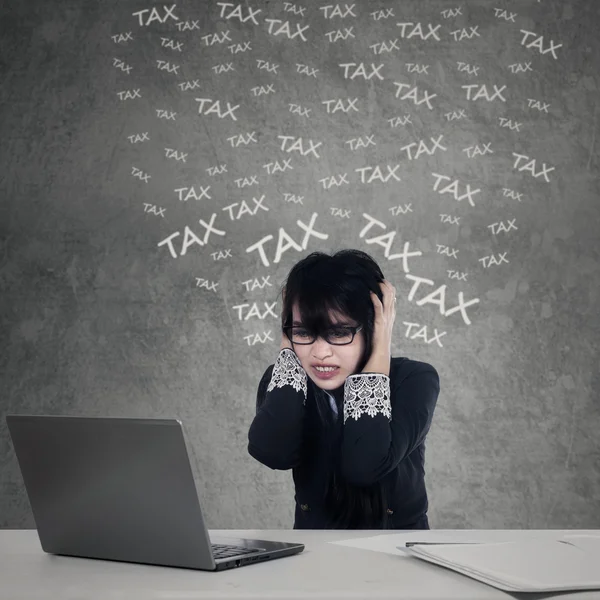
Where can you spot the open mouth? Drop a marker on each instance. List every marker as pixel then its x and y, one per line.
pixel 325 373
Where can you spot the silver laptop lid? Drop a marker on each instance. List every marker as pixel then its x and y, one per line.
pixel 112 488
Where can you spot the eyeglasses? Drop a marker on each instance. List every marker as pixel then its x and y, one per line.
pixel 338 336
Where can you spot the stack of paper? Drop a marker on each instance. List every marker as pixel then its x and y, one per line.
pixel 571 562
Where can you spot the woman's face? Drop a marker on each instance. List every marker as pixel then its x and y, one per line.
pixel 346 357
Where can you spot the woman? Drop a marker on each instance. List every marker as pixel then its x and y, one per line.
pixel 337 409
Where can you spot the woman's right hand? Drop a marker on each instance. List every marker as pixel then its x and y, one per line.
pixel 285 342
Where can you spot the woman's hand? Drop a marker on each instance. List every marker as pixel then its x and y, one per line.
pixel 384 323
pixel 384 317
pixel 285 342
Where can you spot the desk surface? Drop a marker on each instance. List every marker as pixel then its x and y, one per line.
pixel 321 571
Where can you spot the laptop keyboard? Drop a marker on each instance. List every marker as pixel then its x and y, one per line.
pixel 226 551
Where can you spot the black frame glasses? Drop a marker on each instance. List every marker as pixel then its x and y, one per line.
pixel 353 330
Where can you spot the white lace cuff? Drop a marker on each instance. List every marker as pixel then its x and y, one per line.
pixel 288 371
pixel 367 393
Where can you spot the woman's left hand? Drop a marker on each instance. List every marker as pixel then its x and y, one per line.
pixel 384 318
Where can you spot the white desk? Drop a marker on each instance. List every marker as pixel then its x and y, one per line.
pixel 321 571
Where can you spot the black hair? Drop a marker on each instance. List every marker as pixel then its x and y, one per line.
pixel 340 282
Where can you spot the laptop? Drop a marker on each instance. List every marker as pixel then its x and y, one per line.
pixel 122 489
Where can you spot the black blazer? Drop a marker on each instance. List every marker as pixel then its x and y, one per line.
pixel 385 442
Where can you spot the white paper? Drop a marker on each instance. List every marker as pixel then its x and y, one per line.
pixel 524 565
pixel 377 543
pixel 589 543
pixel 394 543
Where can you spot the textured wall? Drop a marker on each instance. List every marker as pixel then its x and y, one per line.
pixel 465 140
